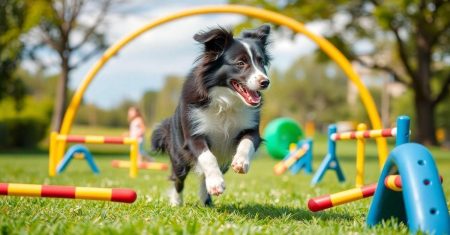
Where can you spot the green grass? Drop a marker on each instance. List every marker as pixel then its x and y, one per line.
pixel 256 203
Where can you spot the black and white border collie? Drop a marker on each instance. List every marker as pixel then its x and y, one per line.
pixel 216 122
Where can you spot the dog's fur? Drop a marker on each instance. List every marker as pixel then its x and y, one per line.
pixel 217 119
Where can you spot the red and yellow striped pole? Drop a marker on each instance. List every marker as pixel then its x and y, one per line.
pixel 393 182
pixel 368 134
pixel 143 165
pixel 94 139
pixel 282 166
pixel 70 192
pixel 331 200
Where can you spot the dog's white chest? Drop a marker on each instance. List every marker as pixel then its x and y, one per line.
pixel 222 121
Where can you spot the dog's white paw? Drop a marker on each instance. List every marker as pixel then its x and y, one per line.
pixel 175 198
pixel 240 164
pixel 215 185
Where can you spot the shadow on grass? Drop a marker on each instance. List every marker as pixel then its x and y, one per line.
pixel 267 211
pixel 22 151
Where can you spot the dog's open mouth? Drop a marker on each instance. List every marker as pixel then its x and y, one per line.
pixel 252 98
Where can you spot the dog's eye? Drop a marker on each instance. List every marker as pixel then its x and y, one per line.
pixel 240 63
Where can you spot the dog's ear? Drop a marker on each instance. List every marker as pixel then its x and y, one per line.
pixel 215 40
pixel 261 33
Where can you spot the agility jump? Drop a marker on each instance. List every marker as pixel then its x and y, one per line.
pixel 58 142
pixel 364 134
pixel 330 162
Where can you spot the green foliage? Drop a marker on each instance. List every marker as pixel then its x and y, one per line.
pixel 409 40
pixel 90 114
pixel 148 105
pixel 402 106
pixel 38 85
pixel 16 18
pixel 27 127
pixel 358 111
pixel 443 115
pixel 22 132
pixel 87 114
pixel 168 97
pixel 307 91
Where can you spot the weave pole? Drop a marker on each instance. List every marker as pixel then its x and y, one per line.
pixel 392 182
pixel 68 192
pixel 401 133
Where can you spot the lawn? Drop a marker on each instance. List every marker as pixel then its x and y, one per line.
pixel 256 203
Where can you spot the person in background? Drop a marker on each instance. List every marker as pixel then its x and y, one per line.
pixel 137 130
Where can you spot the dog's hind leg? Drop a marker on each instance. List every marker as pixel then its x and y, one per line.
pixel 176 193
pixel 205 197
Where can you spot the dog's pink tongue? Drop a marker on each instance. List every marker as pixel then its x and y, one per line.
pixel 252 97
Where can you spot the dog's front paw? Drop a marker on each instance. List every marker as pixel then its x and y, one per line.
pixel 175 198
pixel 240 165
pixel 215 185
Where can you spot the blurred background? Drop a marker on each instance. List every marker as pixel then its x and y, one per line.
pixel 400 49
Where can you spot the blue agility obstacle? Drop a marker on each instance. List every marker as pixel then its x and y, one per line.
pixel 421 204
pixel 305 162
pixel 72 152
pixel 299 157
pixel 331 162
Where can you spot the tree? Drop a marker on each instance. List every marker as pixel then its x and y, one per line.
pixel 92 115
pixel 168 97
pixel 59 31
pixel 419 31
pixel 16 18
pixel 148 105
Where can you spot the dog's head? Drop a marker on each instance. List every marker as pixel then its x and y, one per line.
pixel 239 64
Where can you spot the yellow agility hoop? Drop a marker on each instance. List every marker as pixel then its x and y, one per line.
pixel 262 14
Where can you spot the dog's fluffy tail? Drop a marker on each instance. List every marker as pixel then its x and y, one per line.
pixel 160 136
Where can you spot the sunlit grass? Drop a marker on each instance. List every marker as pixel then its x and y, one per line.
pixel 257 203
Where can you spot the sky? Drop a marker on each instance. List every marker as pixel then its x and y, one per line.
pixel 166 50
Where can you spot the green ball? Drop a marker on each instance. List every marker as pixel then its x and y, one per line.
pixel 279 134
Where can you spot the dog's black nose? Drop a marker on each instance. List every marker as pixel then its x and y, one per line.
pixel 264 83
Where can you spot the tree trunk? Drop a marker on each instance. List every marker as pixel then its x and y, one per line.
pixel 59 107
pixel 423 100
pixel 425 121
